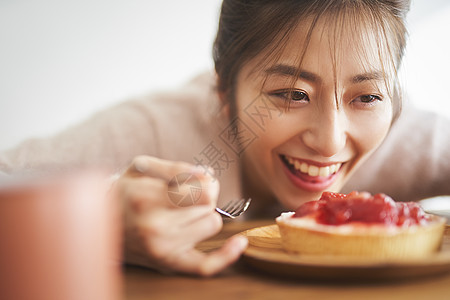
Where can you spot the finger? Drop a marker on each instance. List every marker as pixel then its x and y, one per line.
pixel 186 182
pixel 209 193
pixel 179 229
pixel 160 168
pixel 187 189
pixel 177 222
pixel 163 240
pixel 143 193
pixel 209 264
pixel 194 230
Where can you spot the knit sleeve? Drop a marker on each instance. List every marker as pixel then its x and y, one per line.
pixel 108 139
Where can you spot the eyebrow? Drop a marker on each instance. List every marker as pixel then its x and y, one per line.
pixel 373 75
pixel 287 70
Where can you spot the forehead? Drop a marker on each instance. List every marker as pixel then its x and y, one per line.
pixel 331 48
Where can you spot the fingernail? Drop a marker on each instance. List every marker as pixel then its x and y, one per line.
pixel 211 171
pixel 214 189
pixel 140 167
pixel 203 169
pixel 242 241
pixel 198 169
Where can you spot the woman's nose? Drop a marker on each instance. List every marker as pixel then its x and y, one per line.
pixel 327 132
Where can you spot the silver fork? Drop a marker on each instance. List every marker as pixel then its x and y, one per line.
pixel 234 208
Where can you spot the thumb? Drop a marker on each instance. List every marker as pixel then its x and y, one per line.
pixel 210 191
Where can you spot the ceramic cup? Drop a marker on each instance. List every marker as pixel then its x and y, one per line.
pixel 59 238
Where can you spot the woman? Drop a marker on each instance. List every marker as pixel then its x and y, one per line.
pixel 305 92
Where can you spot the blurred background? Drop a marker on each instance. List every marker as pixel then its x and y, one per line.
pixel 62 60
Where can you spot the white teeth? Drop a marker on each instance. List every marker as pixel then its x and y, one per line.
pixel 325 171
pixel 304 168
pixel 313 170
pixel 332 169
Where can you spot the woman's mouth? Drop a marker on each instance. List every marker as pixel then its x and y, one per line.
pixel 310 177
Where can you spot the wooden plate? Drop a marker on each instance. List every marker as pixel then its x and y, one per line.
pixel 265 253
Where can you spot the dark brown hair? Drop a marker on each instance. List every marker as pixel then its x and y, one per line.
pixel 248 28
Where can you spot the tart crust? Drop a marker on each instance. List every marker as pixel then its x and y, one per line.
pixel 305 236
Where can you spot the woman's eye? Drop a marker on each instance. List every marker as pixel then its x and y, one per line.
pixel 293 95
pixel 368 99
pixel 299 96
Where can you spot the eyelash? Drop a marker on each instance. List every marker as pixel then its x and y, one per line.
pixel 372 100
pixel 288 95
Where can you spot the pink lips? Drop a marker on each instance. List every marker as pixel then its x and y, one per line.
pixel 309 183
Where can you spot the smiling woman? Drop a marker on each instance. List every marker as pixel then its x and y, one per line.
pixel 305 99
pixel 333 73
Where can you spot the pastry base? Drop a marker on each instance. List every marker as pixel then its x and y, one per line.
pixel 361 240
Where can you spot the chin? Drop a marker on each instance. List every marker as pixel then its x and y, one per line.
pixel 294 199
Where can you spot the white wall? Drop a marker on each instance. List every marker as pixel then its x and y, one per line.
pixel 426 67
pixel 61 60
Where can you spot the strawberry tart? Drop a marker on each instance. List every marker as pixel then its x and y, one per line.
pixel 359 224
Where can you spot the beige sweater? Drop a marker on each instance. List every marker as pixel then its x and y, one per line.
pixel 185 125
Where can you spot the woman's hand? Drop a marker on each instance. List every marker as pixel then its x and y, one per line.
pixel 162 235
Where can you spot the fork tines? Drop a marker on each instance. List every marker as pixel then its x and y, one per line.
pixel 234 208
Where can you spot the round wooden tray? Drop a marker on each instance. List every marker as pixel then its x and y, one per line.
pixel 265 253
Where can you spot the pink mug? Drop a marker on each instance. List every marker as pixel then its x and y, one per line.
pixel 59 239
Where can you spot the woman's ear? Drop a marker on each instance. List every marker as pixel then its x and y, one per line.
pixel 225 105
pixel 223 98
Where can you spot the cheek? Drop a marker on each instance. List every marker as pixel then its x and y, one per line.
pixel 270 123
pixel 370 131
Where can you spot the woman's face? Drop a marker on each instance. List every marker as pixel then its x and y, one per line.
pixel 338 114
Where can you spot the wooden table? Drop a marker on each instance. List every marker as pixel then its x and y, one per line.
pixel 240 281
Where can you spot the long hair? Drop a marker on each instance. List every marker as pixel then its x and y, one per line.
pixel 248 28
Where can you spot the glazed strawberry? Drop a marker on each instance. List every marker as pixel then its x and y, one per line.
pixel 338 209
